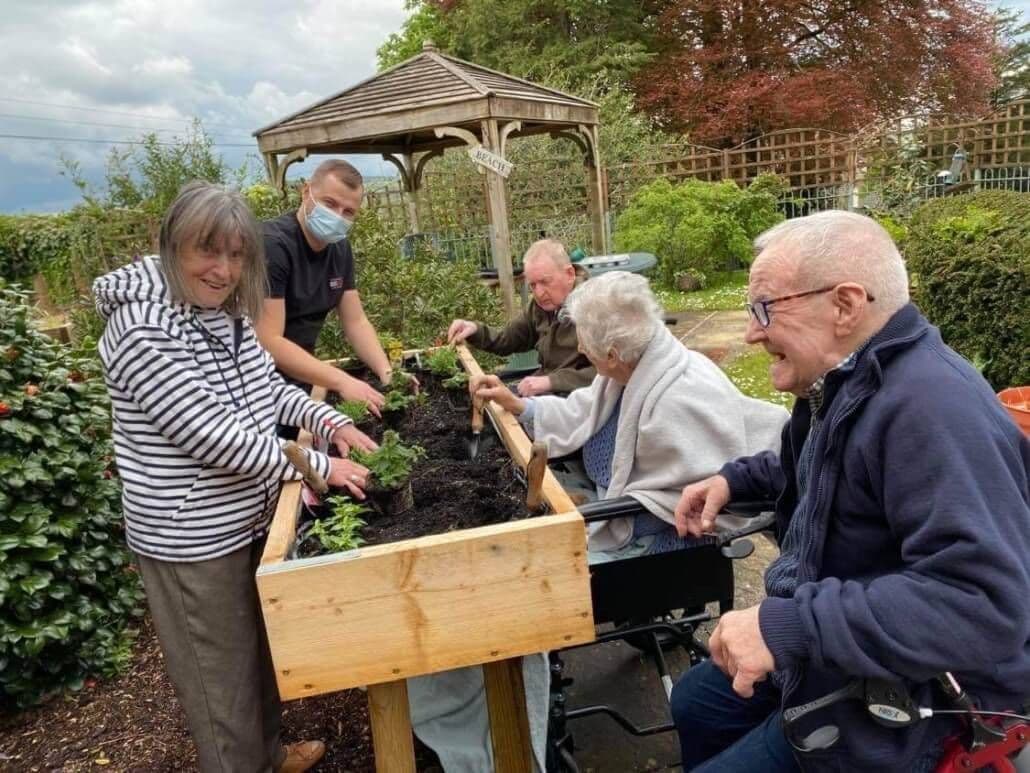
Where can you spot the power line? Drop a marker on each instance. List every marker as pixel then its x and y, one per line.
pixel 87 123
pixel 115 112
pixel 116 142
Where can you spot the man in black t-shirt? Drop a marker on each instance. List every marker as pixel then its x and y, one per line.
pixel 310 273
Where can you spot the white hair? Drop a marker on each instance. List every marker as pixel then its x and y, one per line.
pixel 548 248
pixel 835 246
pixel 615 310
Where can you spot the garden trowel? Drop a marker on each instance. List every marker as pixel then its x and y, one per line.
pixel 472 442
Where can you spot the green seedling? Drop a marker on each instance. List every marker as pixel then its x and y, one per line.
pixel 443 361
pixel 355 410
pixel 342 530
pixel 390 465
pixel 459 380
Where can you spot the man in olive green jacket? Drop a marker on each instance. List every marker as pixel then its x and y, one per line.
pixel 543 326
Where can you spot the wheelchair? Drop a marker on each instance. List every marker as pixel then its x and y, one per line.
pixel 654 603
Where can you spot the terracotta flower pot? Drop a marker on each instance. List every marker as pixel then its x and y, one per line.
pixel 1017 402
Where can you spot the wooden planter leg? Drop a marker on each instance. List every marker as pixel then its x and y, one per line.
pixel 390 720
pixel 509 725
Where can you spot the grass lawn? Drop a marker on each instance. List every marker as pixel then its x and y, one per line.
pixel 726 291
pixel 750 372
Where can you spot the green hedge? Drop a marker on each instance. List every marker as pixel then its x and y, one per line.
pixel 66 587
pixel 413 299
pixel 698 226
pixel 970 256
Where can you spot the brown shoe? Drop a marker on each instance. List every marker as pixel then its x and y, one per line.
pixel 301 756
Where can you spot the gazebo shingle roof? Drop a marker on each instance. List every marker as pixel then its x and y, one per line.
pixel 403 99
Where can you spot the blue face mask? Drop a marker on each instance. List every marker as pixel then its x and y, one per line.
pixel 325 225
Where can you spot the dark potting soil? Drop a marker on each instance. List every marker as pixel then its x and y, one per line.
pixel 450 490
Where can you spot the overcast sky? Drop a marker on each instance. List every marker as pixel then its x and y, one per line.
pixel 153 64
pixel 137 65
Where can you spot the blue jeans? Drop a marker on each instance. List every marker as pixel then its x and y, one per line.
pixel 722 732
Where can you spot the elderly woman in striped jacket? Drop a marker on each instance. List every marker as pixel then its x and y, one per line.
pixel 195 402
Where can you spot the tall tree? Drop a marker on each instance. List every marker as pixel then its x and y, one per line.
pixel 1013 64
pixel 534 39
pixel 728 70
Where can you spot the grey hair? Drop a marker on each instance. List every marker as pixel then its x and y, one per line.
pixel 207 215
pixel 549 248
pixel 835 246
pixel 615 310
pixel 344 171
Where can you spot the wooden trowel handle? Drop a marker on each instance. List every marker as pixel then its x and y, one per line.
pixel 535 469
pixel 477 414
pixel 299 459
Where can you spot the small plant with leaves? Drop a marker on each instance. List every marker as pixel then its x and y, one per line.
pixel 390 464
pixel 400 393
pixel 442 362
pixel 342 530
pixel 459 381
pixel 355 410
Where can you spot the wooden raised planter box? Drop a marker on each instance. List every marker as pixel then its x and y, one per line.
pixel 377 615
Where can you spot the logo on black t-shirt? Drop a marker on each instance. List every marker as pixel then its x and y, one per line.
pixel 335 283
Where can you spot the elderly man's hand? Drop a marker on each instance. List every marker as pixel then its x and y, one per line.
pixel 490 387
pixel 459 330
pixel 350 437
pixel 699 504
pixel 739 650
pixel 534 385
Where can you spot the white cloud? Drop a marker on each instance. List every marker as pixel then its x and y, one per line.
pixel 236 64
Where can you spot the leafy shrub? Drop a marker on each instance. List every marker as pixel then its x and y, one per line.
pixel 266 202
pixel 697 225
pixel 413 299
pixel 390 464
pixel 342 530
pixel 66 587
pixel 971 259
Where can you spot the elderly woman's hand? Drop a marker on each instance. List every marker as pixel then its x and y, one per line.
pixel 349 437
pixel 348 474
pixel 490 387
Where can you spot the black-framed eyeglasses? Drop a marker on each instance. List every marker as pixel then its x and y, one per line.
pixel 760 309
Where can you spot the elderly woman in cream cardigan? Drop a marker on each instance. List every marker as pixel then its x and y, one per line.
pixel 656 417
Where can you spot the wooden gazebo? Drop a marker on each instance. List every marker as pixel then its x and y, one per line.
pixel 415 110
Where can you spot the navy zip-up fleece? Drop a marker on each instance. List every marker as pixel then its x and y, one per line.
pixel 917 559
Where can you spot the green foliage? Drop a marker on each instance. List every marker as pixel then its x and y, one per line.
pixel 66 587
pixel 398 400
pixel 1012 62
pixel 390 464
pixel 725 291
pixel 412 299
pixel 971 259
pixel 459 381
pixel 150 175
pixel 442 361
pixel 342 530
pixel 267 203
pixel 532 38
pixel 697 225
pixel 355 410
pixel 896 178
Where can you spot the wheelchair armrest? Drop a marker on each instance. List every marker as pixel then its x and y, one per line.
pixel 759 514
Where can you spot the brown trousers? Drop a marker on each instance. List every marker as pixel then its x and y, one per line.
pixel 208 621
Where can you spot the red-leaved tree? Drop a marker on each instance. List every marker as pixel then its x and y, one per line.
pixel 728 70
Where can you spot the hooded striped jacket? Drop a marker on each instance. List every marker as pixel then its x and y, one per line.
pixel 195 400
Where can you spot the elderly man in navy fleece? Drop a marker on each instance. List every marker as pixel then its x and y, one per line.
pixel 902 514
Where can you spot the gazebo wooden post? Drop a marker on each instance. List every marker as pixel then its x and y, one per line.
pixel 595 191
pixel 500 231
pixel 411 194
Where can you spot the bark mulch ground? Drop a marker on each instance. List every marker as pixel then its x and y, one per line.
pixel 134 723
